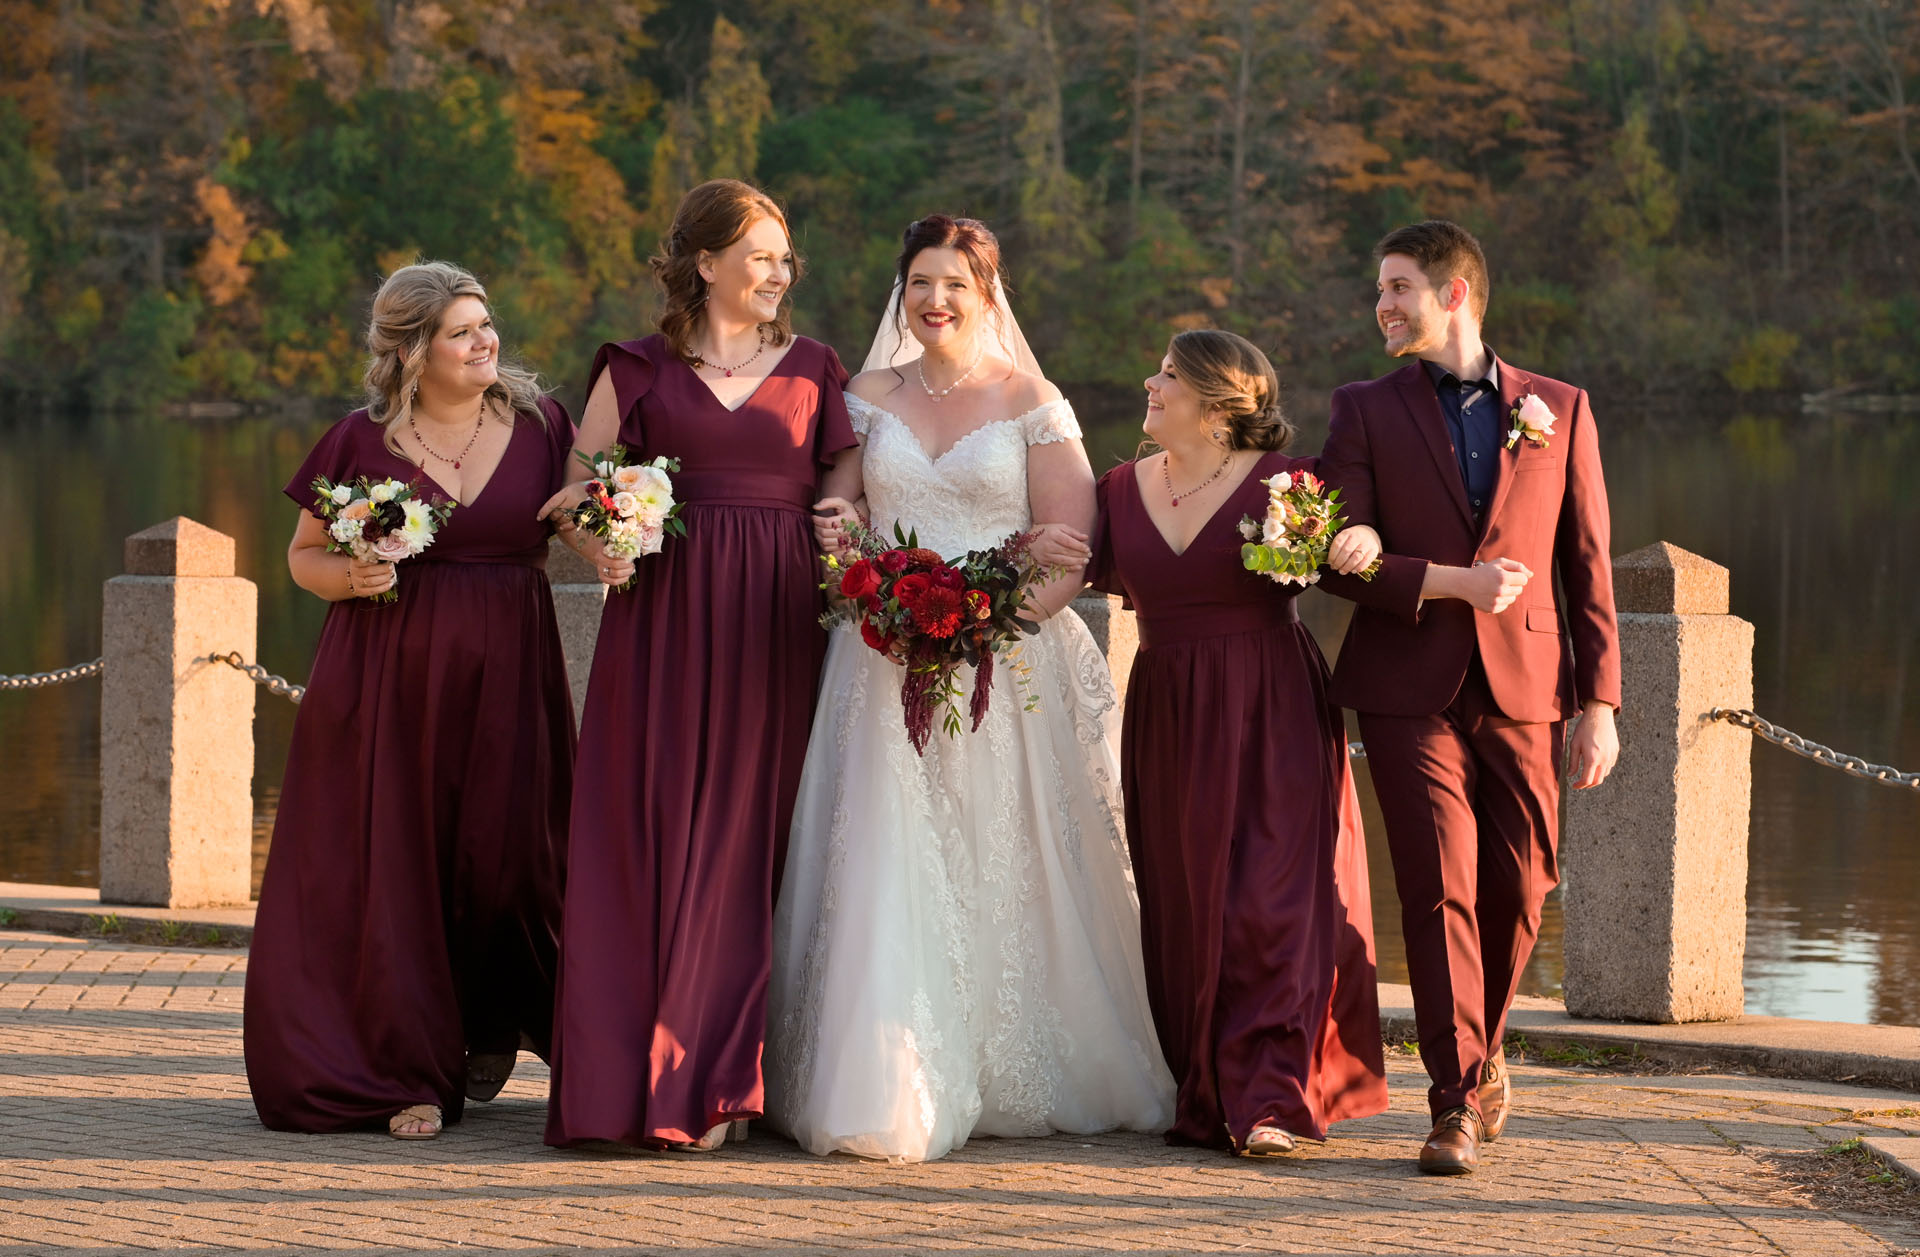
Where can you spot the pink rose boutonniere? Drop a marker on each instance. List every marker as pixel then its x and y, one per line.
pixel 1532 420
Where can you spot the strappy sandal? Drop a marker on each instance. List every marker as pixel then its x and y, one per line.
pixel 427 1115
pixel 488 1072
pixel 1267 1141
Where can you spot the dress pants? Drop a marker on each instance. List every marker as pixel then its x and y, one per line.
pixel 1471 801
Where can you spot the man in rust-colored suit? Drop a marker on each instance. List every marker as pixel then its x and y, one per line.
pixel 1463 664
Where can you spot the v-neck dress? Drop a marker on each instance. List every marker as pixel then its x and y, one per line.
pixel 691 745
pixel 1245 832
pixel 411 906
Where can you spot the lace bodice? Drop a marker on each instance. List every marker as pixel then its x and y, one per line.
pixel 971 497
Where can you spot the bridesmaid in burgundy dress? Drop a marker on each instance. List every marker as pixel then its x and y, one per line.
pixel 408 923
pixel 1240 811
pixel 701 696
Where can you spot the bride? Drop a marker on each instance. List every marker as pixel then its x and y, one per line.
pixel 956 943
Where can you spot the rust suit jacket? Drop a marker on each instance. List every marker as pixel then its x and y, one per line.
pixel 1558 645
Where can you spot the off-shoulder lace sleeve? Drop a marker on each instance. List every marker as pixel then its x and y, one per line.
pixel 1050 422
pixel 862 413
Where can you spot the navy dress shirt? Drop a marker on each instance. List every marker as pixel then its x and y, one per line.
pixel 1472 411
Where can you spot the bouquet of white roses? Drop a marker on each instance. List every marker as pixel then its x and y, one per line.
pixel 1290 544
pixel 378 521
pixel 629 506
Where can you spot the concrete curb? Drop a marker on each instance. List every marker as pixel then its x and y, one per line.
pixel 1829 1051
pixel 78 910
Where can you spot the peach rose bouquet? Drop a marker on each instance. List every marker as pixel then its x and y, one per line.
pixel 630 505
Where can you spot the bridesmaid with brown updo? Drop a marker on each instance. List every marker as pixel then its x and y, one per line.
pixel 701 695
pixel 406 939
pixel 1240 810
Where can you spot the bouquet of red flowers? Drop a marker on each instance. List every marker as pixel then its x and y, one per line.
pixel 931 616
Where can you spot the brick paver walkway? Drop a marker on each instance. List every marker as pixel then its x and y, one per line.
pixel 125 1124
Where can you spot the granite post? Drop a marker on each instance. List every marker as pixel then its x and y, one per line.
pixel 1654 860
pixel 176 728
pixel 578 600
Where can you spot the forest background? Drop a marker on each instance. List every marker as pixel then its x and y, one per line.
pixel 1679 196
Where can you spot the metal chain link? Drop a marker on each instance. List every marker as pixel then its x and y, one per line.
pixel 273 684
pixel 59 676
pixel 1852 765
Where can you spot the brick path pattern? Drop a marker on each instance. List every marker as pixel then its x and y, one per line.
pixel 125 1126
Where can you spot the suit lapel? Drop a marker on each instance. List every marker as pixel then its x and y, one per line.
pixel 1423 407
pixel 1513 386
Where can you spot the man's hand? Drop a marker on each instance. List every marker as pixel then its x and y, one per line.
pixel 1491 586
pixel 1594 748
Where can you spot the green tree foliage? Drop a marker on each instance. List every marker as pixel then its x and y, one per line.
pixel 197 196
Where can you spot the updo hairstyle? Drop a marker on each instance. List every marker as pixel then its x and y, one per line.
pixel 711 219
pixel 971 238
pixel 406 315
pixel 1233 379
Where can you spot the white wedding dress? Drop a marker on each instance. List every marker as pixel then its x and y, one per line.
pixel 957 940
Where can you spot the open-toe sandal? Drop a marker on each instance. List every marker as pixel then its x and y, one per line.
pixel 427 1115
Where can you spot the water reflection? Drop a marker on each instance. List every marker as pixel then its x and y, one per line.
pixel 1819 518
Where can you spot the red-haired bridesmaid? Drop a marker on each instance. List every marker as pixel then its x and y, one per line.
pixel 702 690
pixel 410 914
pixel 1240 810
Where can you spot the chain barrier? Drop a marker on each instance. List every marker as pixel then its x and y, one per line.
pixel 271 683
pixel 59 676
pixel 1852 765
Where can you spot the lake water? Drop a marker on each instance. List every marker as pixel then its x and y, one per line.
pixel 1817 516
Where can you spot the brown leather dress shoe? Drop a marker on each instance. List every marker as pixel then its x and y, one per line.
pixel 1496 1095
pixel 1453 1147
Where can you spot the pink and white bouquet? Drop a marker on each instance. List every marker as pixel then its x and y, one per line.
pixel 629 506
pixel 1289 544
pixel 378 521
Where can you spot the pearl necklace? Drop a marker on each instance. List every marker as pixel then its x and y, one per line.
pixel 728 371
pixel 942 394
pixel 1166 472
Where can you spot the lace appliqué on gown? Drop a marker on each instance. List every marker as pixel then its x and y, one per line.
pixel 956 945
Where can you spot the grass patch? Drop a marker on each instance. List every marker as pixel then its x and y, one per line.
pixel 106 925
pixel 7 917
pixel 172 932
pixel 212 937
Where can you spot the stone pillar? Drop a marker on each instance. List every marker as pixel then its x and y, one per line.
pixel 578 599
pixel 176 728
pixel 1654 860
pixel 1091 606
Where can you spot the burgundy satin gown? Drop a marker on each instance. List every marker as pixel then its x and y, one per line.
pixel 1245 833
pixel 411 906
pixel 691 746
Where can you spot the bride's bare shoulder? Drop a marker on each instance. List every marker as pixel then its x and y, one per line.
pixel 1025 390
pixel 876 386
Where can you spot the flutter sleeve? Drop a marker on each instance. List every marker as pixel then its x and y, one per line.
pixel 631 366
pixel 835 431
pixel 560 435
pixel 1050 422
pixel 1103 573
pixel 332 456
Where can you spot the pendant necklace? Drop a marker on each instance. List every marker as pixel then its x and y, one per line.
pixel 728 371
pixel 1166 471
pixel 478 420
pixel 941 395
